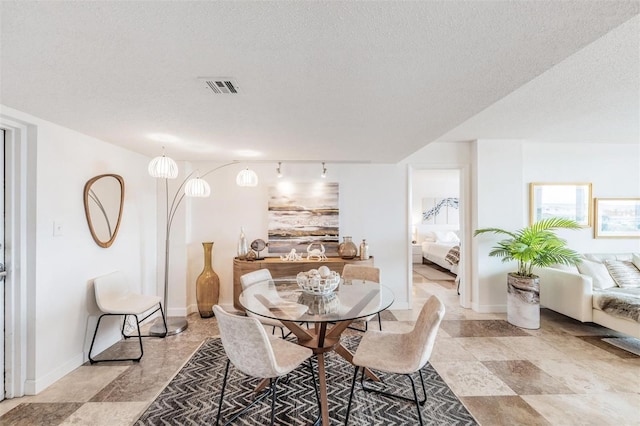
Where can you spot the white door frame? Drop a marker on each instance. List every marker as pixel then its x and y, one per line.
pixel 20 237
pixel 464 270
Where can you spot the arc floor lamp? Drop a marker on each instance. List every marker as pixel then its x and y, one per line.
pixel 166 168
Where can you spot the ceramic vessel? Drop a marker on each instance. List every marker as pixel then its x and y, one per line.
pixel 207 285
pixel 523 301
pixel 347 249
pixel 243 247
pixel 364 250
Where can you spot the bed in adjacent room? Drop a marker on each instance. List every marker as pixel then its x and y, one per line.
pixel 443 249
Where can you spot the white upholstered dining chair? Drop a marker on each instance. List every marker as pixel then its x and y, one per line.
pixel 400 353
pixel 251 278
pixel 114 298
pixel 352 272
pixel 254 353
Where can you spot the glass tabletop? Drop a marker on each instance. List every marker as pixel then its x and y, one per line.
pixel 283 300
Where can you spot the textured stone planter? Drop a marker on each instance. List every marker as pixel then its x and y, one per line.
pixel 523 301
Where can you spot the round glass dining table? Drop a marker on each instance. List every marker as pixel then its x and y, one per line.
pixel 330 315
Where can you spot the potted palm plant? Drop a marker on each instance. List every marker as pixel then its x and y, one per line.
pixel 534 246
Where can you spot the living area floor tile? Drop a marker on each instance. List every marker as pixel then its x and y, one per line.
pixel 597 341
pixel 576 348
pixel 526 378
pixel 532 348
pixel 503 410
pixel 614 409
pixel 487 348
pixel 471 378
pixel 481 328
pixel 106 414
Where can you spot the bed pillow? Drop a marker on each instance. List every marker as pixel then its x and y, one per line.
pixel 624 273
pixel 447 237
pixel 430 237
pixel 598 272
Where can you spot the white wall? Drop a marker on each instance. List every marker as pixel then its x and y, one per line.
pixel 63 319
pixel 503 171
pixel 373 205
pixel 613 170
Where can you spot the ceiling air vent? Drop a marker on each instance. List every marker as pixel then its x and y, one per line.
pixel 220 85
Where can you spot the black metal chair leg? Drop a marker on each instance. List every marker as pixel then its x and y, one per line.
pixel 415 398
pixel 93 340
pixel 274 384
pixel 379 321
pixel 315 388
pixel 224 384
pixel 366 389
pixel 139 335
pixel 139 338
pixel 424 391
pixel 353 385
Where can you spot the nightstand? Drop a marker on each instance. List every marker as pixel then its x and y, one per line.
pixel 416 253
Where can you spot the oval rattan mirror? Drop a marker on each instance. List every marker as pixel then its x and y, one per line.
pixel 103 202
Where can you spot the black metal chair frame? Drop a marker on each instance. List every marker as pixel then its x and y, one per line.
pixel 271 390
pixel 366 389
pixel 139 335
pixel 366 323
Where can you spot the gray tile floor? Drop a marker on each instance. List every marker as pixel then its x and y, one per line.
pixel 561 374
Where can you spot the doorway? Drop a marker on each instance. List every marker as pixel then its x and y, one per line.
pixel 439 197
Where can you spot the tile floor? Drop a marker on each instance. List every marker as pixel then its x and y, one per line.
pixel 561 374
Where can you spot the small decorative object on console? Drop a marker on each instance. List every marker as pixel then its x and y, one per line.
pixel 317 254
pixel 242 245
pixel 364 250
pixel 258 245
pixel 292 256
pixel 318 281
pixel 347 249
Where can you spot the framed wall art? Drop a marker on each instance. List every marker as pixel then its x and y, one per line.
pixel 617 218
pixel 565 200
pixel 440 211
pixel 303 213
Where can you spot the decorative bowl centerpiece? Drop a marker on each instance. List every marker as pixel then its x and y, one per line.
pixel 318 281
pixel 320 304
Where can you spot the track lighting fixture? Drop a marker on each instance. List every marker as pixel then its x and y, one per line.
pixel 324 171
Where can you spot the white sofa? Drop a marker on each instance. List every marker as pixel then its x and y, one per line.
pixel 571 293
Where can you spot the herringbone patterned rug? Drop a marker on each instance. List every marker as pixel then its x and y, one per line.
pixel 191 398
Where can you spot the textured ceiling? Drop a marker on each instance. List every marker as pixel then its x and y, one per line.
pixel 334 81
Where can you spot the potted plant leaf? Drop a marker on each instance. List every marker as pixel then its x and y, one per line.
pixel 534 246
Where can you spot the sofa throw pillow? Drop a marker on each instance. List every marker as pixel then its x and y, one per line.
pixel 636 260
pixel 624 273
pixel 598 272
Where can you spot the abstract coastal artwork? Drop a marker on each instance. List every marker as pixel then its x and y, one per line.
pixel 303 213
pixel 440 211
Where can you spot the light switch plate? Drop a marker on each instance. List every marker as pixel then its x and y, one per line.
pixel 58 228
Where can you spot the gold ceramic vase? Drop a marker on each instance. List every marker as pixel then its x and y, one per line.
pixel 207 285
pixel 347 249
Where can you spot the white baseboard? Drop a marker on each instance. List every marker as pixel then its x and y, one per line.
pixel 34 387
pixel 489 309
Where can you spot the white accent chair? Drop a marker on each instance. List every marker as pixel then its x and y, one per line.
pixel 400 353
pixel 251 278
pixel 114 298
pixel 250 350
pixel 361 272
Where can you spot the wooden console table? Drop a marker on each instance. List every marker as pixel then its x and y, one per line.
pixel 281 268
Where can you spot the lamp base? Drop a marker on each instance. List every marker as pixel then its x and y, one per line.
pixel 175 325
